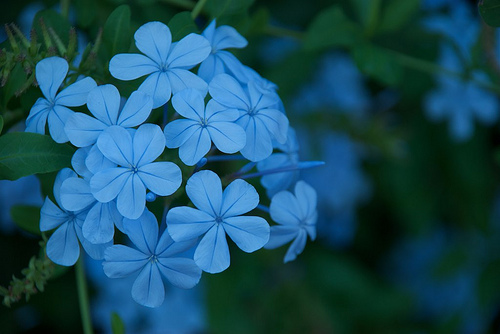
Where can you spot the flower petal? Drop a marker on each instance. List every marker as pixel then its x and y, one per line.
pixel 76 194
pixel 296 247
pixel 238 198
pixel 167 247
pixel 99 227
pixel 62 175
pixel 121 261
pixel 181 79
pixel 136 110
pixel 258 142
pixel 179 131
pixel 205 191
pixel 306 198
pixel 157 85
pixel 181 272
pixel 37 117
pixel 115 143
pixel 96 161
pixel 284 209
pixel 83 130
pixel 227 37
pixel 163 178
pixel 185 223
pixel 190 104
pixel 63 247
pixel 210 67
pixel 51 216
pixel 189 51
pixel 104 103
pixel 281 234
pixel 76 94
pixel 57 118
pixel 228 92
pixel 154 40
pixel 50 74
pixel 143 232
pixel 148 288
pixel 212 254
pixel 107 184
pixel 276 123
pixel 131 200
pixel 78 162
pixel 95 251
pixel 228 137
pixel 195 147
pixel 249 233
pixel 148 144
pixel 130 66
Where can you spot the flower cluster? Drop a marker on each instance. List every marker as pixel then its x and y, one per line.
pixel 120 163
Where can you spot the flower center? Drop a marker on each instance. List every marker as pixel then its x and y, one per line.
pixel 153 258
pixel 204 122
pixel 218 220
pixel 134 169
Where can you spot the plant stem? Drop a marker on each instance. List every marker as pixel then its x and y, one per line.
pixel 83 296
pixel 197 9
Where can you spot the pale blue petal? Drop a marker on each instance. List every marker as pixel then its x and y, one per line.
pixel 163 178
pixel 104 103
pixel 209 32
pixel 51 216
pixel 115 143
pixel 284 209
pixel 306 198
pixel 212 254
pixel 216 112
pixel 205 191
pixel 210 67
pixel 148 288
pixel 185 223
pixel 136 110
pixel 50 74
pixel 95 251
pixel 189 103
pixel 62 176
pixel 78 162
pixel 76 94
pixel 179 131
pixel 121 261
pixel 37 117
pixel 259 144
pixel 62 246
pixel 181 79
pixel 96 161
pixel 157 85
pixel 234 67
pixel 98 227
pixel 131 200
pixel 76 194
pixel 83 130
pixel 296 247
pixel 143 232
pixel 228 92
pixel 227 37
pixel 238 198
pixel 181 272
pixel 276 122
pixel 228 137
pixel 154 40
pixel 130 66
pixel 249 233
pixel 167 247
pixel 195 147
pixel 148 144
pixel 57 118
pixel 189 51
pixel 107 184
pixel 281 235
pixel 261 98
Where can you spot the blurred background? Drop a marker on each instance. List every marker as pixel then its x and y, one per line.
pixel 400 99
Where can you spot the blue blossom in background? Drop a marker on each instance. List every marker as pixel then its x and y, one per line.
pixel 104 104
pixel 220 61
pixel 296 216
pixel 63 247
pixel 202 126
pixel 50 74
pixel 166 64
pixel 262 122
pixel 153 259
pixel 218 213
pixel 136 170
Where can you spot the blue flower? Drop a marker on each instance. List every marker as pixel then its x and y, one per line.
pixel 136 170
pixel 220 61
pixel 63 247
pixel 167 64
pixel 153 258
pixel 104 103
pixel 195 134
pixel 50 74
pixel 218 213
pixel 296 216
pixel 259 117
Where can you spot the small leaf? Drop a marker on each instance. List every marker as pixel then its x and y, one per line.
pixel 1 123
pixel 490 12
pixel 25 153
pixel 377 63
pixel 17 78
pixel 117 325
pixel 26 217
pixel 116 34
pixel 54 20
pixel 331 28
pixel 368 12
pixel 397 13
pixel 85 12
pixel 181 25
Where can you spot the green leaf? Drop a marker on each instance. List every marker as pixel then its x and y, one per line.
pixel 26 217
pixel 17 78
pixel 1 123
pixel 377 63
pixel 490 11
pixel 25 153
pixel 181 25
pixel 54 20
pixel 398 13
pixel 117 325
pixel 116 33
pixel 368 12
pixel 85 12
pixel 331 28
pixel 218 8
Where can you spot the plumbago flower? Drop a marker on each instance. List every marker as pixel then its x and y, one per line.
pixel 153 259
pixel 296 216
pixel 50 74
pixel 104 103
pixel 167 64
pixel 136 171
pixel 194 135
pixel 219 213
pixel 63 247
pixel 259 117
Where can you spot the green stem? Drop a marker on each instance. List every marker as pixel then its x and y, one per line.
pixel 185 4
pixel 197 9
pixel 83 296
pixel 65 8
